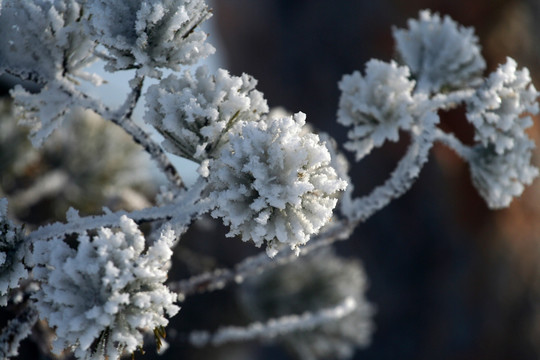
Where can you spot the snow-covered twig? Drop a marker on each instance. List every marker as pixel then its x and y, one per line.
pixel 17 330
pixel 275 327
pixel 219 278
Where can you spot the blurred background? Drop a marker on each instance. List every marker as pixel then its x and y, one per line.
pixel 449 278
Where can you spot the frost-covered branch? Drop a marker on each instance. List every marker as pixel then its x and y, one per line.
pixel 180 213
pixel 275 327
pixel 17 330
pixel 219 278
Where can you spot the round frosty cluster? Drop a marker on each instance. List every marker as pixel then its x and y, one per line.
pixel 312 283
pixel 501 177
pixel 12 253
pixel 150 34
pixel 43 39
pixel 273 183
pixel 102 296
pixel 194 112
pixel 376 105
pixel 497 108
pixel 439 52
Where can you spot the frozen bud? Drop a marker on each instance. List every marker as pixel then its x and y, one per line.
pixel 150 34
pixel 376 105
pixel 501 177
pixel 439 52
pixel 195 112
pixel 43 40
pixel 12 254
pixel 274 183
pixel 103 295
pixel 497 108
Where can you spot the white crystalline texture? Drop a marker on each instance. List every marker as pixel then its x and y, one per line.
pixel 273 183
pixel 12 253
pixel 376 105
pixel 150 34
pixel 313 283
pixel 102 296
pixel 498 108
pixel 42 112
pixel 193 113
pixel 439 52
pixel 501 177
pixel 43 39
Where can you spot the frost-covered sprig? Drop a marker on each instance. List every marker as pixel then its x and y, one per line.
pixel 12 253
pixel 44 40
pixel 102 296
pixel 150 34
pixel 42 112
pixel 314 282
pixel 195 112
pixel 497 108
pixel 273 183
pixel 376 105
pixel 439 52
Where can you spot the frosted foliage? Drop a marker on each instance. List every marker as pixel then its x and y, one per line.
pixel 43 40
pixel 102 296
pixel 193 113
pixel 41 112
pixel 12 253
pixel 376 105
pixel 150 34
pixel 497 107
pixel 273 183
pixel 501 177
pixel 439 52
pixel 309 284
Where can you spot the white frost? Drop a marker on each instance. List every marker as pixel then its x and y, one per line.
pixel 439 52
pixel 102 296
pixel 273 183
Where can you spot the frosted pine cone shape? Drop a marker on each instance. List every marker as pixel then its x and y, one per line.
pixel 497 109
pixel 273 183
pixel 376 105
pixel 439 52
pixel 501 177
pixel 101 297
pixel 12 253
pixel 150 34
pixel 43 40
pixel 194 113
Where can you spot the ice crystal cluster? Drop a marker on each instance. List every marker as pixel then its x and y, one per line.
pixel 314 282
pixel 439 52
pixel 376 105
pixel 195 112
pixel 102 296
pixel 272 183
pixel 12 253
pixel 44 41
pixel 150 34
